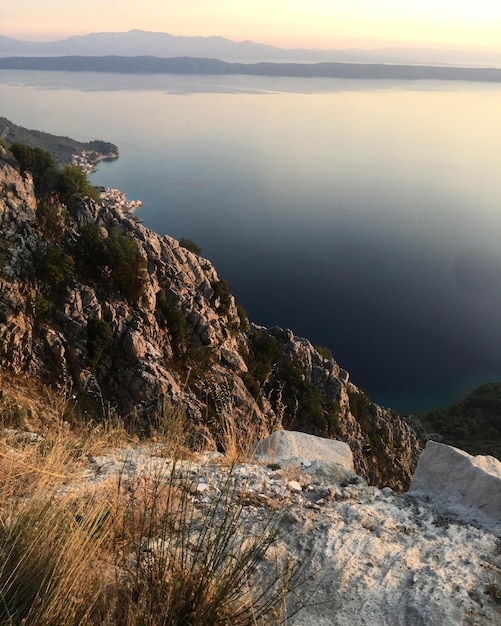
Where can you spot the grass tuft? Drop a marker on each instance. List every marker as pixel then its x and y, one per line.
pixel 141 548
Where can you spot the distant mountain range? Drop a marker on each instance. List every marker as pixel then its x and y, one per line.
pixel 190 65
pixel 142 43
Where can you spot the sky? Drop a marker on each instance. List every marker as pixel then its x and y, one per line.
pixel 463 24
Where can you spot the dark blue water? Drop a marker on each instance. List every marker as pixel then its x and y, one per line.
pixel 364 216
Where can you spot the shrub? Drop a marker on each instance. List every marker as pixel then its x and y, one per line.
pixel 177 323
pixel 51 220
pixel 12 413
pixel 128 267
pixel 38 306
pixel 99 341
pixel 39 163
pixel 359 404
pixel 8 152
pixel 193 566
pixel 190 245
pixel 276 372
pixel 221 296
pixel 244 320
pixel 4 247
pixel 325 352
pixel 52 265
pixel 70 181
pixel 119 253
pixel 91 251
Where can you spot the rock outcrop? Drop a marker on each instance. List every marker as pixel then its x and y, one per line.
pixel 285 446
pixel 92 301
pixel 459 484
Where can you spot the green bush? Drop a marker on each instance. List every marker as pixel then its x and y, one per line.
pixel 6 148
pixel 39 163
pixel 70 182
pixel 222 296
pixel 190 245
pixel 91 251
pixel 276 372
pixel 99 341
pixel 51 220
pixel 52 265
pixel 359 404
pixel 5 244
pixel 325 352
pixel 38 306
pixel 244 320
pixel 118 255
pixel 473 425
pixel 177 324
pixel 128 267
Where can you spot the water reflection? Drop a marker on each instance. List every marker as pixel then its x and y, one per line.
pixel 364 216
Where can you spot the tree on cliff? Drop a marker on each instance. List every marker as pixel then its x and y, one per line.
pixel 68 181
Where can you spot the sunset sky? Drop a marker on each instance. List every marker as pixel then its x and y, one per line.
pixel 287 23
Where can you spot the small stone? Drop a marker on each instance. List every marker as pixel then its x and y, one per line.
pixel 294 486
pixel 315 506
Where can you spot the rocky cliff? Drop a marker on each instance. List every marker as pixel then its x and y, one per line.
pixel 92 301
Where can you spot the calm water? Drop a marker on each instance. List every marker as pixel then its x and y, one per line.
pixel 365 216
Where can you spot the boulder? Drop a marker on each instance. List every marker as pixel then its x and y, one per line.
pixel 287 446
pixel 456 482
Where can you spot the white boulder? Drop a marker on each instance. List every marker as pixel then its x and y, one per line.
pixel 456 482
pixel 288 446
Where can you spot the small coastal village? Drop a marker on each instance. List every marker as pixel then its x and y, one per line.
pixel 87 159
pixel 119 199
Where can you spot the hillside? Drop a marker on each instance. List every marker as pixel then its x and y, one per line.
pixel 474 424
pixel 195 65
pixel 62 149
pixel 94 303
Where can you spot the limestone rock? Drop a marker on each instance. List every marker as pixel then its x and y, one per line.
pixel 285 446
pixel 458 483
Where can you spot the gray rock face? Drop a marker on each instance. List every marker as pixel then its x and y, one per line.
pixel 458 483
pixel 284 446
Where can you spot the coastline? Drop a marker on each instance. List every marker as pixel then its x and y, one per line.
pixel 88 159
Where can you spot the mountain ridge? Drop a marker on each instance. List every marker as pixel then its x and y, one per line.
pixel 138 42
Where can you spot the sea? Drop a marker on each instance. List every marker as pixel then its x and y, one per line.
pixel 363 215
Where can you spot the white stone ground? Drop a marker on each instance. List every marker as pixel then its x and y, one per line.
pixel 371 557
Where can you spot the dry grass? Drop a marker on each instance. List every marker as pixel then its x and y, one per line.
pixel 236 430
pixel 136 550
